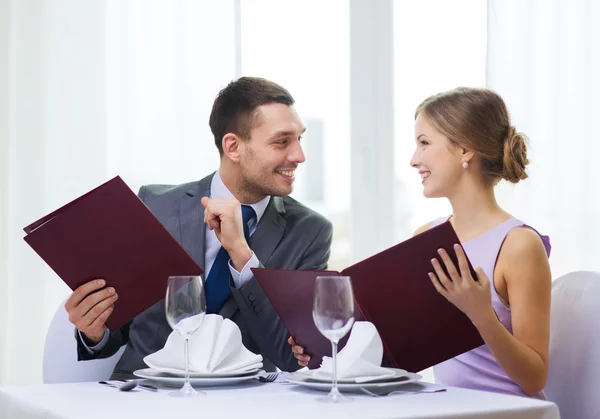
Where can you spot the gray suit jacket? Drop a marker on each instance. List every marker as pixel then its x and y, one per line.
pixel 288 236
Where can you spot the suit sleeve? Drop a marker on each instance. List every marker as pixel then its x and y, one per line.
pixel 116 339
pixel 267 329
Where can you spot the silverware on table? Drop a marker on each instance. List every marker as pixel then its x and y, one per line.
pixel 387 392
pixel 128 385
pixel 269 377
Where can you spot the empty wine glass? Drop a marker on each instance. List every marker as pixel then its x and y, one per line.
pixel 333 313
pixel 185 305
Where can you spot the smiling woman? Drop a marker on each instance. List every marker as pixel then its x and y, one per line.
pixel 465 143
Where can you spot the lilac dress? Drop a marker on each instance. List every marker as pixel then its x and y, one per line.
pixel 478 369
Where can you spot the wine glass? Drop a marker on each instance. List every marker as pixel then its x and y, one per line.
pixel 333 313
pixel 185 305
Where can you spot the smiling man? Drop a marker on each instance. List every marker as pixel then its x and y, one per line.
pixel 235 219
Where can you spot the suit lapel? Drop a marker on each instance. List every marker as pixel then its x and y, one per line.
pixel 191 216
pixel 269 231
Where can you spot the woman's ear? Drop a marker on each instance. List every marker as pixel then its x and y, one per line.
pixel 467 155
pixel 231 147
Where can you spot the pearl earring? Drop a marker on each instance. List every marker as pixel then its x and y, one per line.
pixel 465 165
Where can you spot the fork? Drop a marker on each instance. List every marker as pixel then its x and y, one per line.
pixel 269 378
pixel 389 393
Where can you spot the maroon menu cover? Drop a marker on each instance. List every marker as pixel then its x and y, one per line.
pixel 109 233
pixel 418 326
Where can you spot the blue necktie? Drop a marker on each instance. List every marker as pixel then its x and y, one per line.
pixel 217 284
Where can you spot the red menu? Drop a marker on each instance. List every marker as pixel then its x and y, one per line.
pixel 109 233
pixel 418 326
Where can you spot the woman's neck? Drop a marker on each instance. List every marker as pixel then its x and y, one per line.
pixel 475 211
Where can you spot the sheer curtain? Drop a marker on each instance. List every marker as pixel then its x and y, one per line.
pixel 544 59
pixel 95 89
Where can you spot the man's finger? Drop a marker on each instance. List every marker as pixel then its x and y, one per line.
pixel 303 358
pixel 101 319
pixel 204 201
pixel 97 310
pixel 82 291
pixel 92 300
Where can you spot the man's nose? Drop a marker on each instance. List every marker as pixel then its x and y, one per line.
pixel 297 154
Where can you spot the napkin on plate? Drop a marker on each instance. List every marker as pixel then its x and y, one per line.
pixel 359 361
pixel 215 348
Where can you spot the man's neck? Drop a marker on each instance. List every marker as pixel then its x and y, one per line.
pixel 232 181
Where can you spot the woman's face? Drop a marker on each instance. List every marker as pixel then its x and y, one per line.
pixel 438 160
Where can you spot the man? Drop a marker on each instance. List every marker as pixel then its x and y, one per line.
pixel 258 134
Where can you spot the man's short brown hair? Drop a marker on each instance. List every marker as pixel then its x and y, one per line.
pixel 234 109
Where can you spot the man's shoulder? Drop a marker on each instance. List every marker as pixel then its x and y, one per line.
pixel 167 191
pixel 297 212
pixel 160 190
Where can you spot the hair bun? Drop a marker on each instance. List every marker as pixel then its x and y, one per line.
pixel 515 156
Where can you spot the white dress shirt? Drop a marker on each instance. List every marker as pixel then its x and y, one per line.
pixel 212 245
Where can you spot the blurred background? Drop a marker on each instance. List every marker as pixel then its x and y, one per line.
pixel 93 89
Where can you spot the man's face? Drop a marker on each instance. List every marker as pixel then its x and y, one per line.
pixel 268 159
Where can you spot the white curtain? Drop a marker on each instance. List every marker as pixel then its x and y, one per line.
pixel 544 59
pixel 94 89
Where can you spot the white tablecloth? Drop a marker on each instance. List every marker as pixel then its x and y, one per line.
pixel 261 400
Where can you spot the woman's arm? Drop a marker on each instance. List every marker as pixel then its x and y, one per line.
pixel 524 266
pixel 524 355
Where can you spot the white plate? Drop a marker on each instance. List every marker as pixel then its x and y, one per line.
pixel 304 381
pixel 398 373
pixel 172 381
pixel 173 372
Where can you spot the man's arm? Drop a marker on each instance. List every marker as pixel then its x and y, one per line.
pixel 267 329
pixel 115 340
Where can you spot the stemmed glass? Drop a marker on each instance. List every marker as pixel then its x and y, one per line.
pixel 333 313
pixel 185 305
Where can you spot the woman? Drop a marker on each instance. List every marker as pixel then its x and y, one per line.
pixel 465 145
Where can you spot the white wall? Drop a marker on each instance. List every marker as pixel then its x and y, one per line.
pixel 56 134
pixel 4 161
pixel 95 89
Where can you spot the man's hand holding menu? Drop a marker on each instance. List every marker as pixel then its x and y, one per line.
pixel 112 252
pixel 89 307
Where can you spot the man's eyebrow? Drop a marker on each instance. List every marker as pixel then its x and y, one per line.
pixel 285 133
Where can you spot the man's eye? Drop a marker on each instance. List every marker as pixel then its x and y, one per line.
pixel 300 138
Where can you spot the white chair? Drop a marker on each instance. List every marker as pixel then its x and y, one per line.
pixel 574 375
pixel 60 355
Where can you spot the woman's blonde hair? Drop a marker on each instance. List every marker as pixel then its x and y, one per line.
pixel 477 120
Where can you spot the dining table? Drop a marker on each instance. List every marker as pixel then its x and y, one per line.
pixel 92 400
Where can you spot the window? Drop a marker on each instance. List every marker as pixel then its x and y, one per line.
pixel 438 45
pixel 304 46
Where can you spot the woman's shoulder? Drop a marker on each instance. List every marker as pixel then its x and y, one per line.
pixel 526 239
pixel 430 224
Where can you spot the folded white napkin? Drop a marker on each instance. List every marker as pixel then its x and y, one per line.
pixel 360 360
pixel 215 348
